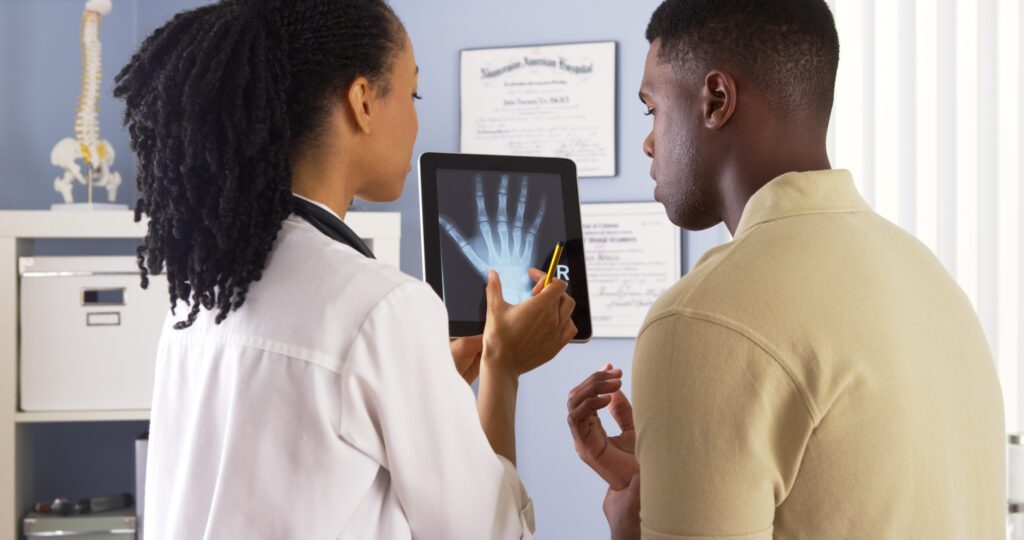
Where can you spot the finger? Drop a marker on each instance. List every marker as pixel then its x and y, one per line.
pixel 503 199
pixel 537 277
pixel 622 411
pixel 583 420
pixel 483 221
pixel 463 244
pixel 569 332
pixel 539 217
pixel 495 302
pixel 628 493
pixel 580 415
pixel 473 371
pixel 565 307
pixel 531 233
pixel 553 291
pixel 595 376
pixel 595 387
pixel 517 223
pixel 634 485
pixel 467 347
pixel 502 216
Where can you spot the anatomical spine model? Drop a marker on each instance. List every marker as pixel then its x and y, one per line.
pixel 97 155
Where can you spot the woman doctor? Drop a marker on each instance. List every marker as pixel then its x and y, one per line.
pixel 307 389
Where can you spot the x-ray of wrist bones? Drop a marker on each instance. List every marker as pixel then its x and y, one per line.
pixel 512 255
pixel 96 154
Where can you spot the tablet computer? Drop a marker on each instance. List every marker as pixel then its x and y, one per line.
pixel 506 213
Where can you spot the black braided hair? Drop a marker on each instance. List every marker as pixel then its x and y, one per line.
pixel 218 102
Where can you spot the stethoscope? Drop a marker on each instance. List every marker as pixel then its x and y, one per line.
pixel 330 225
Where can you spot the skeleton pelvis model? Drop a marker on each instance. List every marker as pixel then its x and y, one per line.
pixel 87 148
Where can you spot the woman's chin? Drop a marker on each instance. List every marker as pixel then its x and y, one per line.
pixel 385 195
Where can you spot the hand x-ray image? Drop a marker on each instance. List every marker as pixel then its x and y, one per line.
pixel 508 222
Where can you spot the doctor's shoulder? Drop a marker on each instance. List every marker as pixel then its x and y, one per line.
pixel 354 281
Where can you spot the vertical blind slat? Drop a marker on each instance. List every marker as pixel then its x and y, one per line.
pixel 926 71
pixel 947 134
pixel 849 133
pixel 987 111
pixel 1020 208
pixel 887 91
pixel 907 116
pixel 967 235
pixel 1008 233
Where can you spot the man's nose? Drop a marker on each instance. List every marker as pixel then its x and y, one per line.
pixel 649 145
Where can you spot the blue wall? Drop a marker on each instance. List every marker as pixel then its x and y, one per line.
pixel 39 57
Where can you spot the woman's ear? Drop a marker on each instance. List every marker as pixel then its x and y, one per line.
pixel 360 103
pixel 719 95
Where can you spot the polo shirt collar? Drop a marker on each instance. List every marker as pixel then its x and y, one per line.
pixel 796 193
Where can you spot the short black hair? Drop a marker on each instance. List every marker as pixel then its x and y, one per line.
pixel 789 48
pixel 217 101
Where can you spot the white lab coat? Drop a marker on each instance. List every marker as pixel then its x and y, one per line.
pixel 328 406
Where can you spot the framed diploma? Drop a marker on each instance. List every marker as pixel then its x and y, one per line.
pixel 541 101
pixel 633 255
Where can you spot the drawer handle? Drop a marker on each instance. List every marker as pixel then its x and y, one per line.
pixel 103 297
pixel 103 319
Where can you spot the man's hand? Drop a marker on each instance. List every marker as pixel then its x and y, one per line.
pixel 611 457
pixel 622 509
pixel 466 352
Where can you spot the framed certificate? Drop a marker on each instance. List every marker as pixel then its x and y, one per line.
pixel 633 255
pixel 542 101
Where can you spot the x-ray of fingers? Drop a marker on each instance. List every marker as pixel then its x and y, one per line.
pixel 497 221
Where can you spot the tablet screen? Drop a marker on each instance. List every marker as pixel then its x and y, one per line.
pixel 498 220
pixel 504 213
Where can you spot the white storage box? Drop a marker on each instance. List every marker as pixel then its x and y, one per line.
pixel 89 333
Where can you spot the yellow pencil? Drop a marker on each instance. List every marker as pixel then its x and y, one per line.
pixel 555 257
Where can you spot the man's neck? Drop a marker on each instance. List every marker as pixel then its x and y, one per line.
pixel 744 177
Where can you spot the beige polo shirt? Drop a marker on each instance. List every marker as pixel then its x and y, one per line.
pixel 820 376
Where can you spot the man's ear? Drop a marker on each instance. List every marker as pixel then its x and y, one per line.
pixel 360 103
pixel 719 96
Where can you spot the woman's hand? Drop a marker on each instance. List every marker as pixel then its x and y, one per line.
pixel 466 352
pixel 613 458
pixel 517 339
pixel 522 337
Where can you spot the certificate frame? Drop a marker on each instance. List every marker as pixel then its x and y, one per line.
pixel 589 112
pixel 614 314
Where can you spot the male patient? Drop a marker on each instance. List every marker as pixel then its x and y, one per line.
pixel 819 376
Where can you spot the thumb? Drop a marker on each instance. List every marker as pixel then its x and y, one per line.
pixel 622 411
pixel 634 485
pixel 495 300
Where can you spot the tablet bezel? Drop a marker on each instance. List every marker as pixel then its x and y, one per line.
pixel 431 162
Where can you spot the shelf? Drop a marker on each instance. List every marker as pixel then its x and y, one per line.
pixel 80 416
pixel 120 224
pixel 68 224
